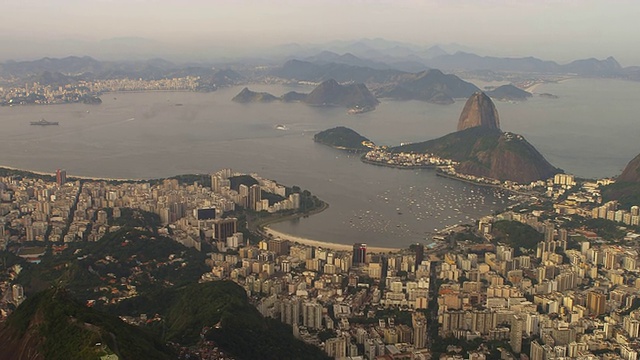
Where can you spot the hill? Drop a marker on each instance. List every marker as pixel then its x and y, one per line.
pixel 248 96
pixel 488 152
pixel 53 325
pixel 341 138
pixel 307 71
pixel 330 93
pixel 509 92
pixel 233 323
pixel 431 86
pixel 626 189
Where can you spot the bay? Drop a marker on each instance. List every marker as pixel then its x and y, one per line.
pixel 591 131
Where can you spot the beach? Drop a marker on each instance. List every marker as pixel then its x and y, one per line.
pixel 323 244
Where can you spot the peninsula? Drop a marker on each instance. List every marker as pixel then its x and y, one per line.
pixel 343 138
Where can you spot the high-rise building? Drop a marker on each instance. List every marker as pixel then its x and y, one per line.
pixel 419 330
pixel 223 228
pixel 596 302
pixel 517 325
pixel 419 254
pixel 290 311
pixel 312 315
pixel 61 177
pixel 359 254
pixel 243 191
pixel 255 196
pixel 336 347
pixel 216 183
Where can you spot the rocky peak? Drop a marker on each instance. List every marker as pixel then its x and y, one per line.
pixel 479 111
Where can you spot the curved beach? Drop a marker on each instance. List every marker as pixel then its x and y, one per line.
pixel 323 244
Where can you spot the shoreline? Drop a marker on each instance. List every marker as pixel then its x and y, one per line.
pixel 324 244
pixel 71 176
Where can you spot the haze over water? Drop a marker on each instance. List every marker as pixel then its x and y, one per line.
pixel 590 131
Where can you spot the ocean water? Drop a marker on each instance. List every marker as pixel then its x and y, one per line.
pixel 591 131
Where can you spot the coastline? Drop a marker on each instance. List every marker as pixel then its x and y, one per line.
pixel 71 176
pixel 324 244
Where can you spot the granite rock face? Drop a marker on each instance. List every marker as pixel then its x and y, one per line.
pixel 479 110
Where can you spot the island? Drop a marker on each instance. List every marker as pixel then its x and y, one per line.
pixel 509 93
pixel 343 138
pixel 355 97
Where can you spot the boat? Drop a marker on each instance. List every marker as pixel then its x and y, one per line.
pixel 44 122
pixel 281 127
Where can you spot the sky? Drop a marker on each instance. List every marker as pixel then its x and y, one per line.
pixel 549 29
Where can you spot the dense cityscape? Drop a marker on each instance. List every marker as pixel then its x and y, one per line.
pixel 552 277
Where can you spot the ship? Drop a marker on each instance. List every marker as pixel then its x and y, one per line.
pixel 44 122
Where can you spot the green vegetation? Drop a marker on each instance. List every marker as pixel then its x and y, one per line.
pixel 55 326
pixel 342 138
pixel 85 271
pixel 627 193
pixel 517 235
pixel 459 146
pixel 246 180
pixel 235 325
pixel 20 174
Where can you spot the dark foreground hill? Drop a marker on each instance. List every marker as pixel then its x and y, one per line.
pixel 233 323
pixel 627 186
pixel 52 325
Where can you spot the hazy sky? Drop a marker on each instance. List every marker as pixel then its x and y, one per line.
pixel 550 29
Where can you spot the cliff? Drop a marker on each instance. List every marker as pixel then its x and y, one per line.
pixel 479 110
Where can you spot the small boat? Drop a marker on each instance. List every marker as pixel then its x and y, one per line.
pixel 44 122
pixel 281 127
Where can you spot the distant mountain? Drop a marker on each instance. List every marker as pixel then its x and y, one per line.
pixel 328 93
pixel 53 325
pixel 328 57
pixel 294 96
pixel 331 93
pixel 626 189
pixel 483 150
pixel 431 86
pixel 468 61
pixel 307 71
pixel 479 110
pixel 342 138
pixel 248 96
pixel 509 92
pixel 50 71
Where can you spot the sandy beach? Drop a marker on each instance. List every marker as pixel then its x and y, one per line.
pixel 323 244
pixel 71 175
